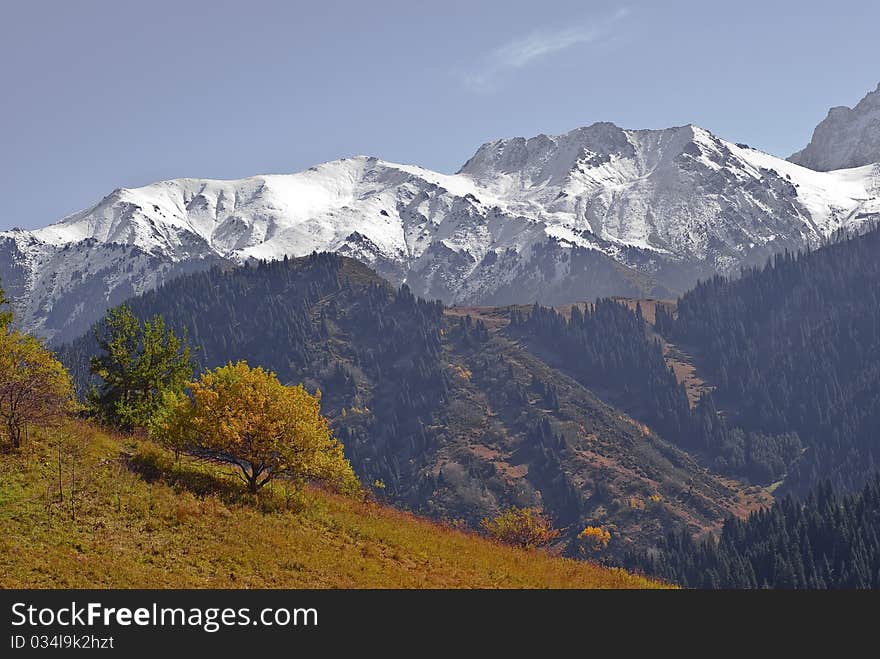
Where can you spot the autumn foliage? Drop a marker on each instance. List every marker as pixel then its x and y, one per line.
pixel 34 387
pixel 522 527
pixel 245 417
pixel 595 537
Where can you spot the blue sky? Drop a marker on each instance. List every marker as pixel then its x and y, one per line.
pixel 99 95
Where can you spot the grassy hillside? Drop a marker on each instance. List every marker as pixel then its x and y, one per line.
pixel 128 515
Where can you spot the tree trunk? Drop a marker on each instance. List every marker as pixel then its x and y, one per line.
pixel 253 486
pixel 60 481
pixel 14 434
pixel 73 489
pixel 251 476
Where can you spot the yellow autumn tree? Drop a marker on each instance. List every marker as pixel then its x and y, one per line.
pixel 245 417
pixel 35 388
pixel 5 313
pixel 595 537
pixel 523 527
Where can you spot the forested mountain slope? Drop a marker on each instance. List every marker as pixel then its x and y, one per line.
pixel 609 348
pixel 795 347
pixel 452 412
pixel 828 540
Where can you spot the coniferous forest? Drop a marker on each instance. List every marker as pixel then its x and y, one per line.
pixel 794 347
pixel 827 540
pixel 609 348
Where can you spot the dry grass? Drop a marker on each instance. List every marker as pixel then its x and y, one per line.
pixel 136 518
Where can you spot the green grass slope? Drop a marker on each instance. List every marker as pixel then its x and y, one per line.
pixel 123 513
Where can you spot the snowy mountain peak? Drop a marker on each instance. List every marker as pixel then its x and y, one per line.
pixel 555 159
pixel 544 157
pixel 599 210
pixel 846 138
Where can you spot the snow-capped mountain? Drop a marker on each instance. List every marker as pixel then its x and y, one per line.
pixel 597 211
pixel 847 137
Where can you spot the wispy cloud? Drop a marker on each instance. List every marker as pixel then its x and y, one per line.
pixel 516 54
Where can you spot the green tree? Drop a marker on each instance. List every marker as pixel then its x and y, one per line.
pixel 137 364
pixel 245 417
pixel 34 386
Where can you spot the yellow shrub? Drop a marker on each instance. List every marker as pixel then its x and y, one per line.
pixel 523 527
pixel 596 537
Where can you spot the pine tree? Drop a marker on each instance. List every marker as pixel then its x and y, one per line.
pixel 137 363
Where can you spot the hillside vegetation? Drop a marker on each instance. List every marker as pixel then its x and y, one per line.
pixel 121 512
pixel 454 413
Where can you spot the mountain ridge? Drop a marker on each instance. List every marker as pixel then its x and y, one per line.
pixel 599 210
